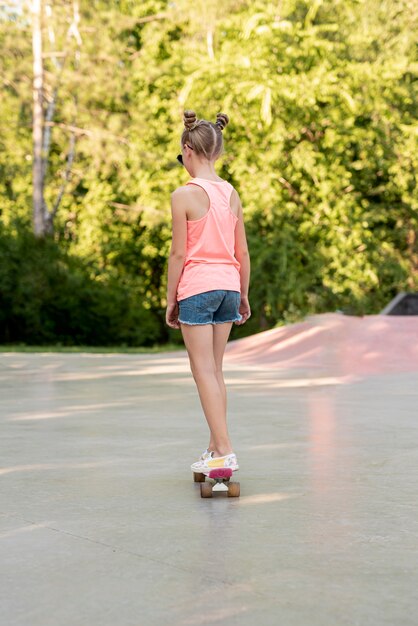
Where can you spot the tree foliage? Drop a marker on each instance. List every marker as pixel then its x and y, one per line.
pixel 322 147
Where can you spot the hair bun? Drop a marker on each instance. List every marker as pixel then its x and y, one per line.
pixel 190 120
pixel 222 120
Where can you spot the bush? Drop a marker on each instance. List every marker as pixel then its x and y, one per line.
pixel 48 296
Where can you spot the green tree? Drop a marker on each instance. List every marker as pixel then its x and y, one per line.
pixel 322 144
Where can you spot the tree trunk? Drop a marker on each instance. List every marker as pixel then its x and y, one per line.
pixel 38 177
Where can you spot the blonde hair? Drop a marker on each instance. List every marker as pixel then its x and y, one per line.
pixel 204 137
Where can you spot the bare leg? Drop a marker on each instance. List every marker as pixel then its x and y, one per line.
pixel 220 337
pixel 200 345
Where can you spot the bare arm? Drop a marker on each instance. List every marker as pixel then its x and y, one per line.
pixel 178 244
pixel 241 251
pixel 243 256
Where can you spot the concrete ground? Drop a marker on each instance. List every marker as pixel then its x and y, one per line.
pixel 101 523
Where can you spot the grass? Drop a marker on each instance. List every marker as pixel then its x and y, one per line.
pixel 169 347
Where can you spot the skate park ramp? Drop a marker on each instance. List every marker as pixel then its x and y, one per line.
pixel 334 343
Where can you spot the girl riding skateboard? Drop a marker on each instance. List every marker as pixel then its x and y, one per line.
pixel 208 276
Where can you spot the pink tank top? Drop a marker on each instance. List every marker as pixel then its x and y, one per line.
pixel 210 259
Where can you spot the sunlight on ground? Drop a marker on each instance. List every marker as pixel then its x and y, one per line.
pixel 52 466
pixel 266 498
pixel 80 408
pixel 24 529
pixel 214 615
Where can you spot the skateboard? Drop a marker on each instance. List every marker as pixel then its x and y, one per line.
pixel 221 483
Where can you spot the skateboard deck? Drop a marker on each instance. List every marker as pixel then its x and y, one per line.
pixel 219 482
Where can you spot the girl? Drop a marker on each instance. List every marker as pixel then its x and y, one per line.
pixel 208 275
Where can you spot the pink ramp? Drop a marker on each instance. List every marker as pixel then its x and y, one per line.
pixel 334 343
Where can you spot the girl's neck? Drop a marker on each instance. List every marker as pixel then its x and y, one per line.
pixel 205 170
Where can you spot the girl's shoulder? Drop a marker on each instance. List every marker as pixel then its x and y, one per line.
pixel 186 194
pixel 181 191
pixel 188 189
pixel 194 186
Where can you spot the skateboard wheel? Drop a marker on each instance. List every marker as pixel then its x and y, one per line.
pixel 206 490
pixel 198 477
pixel 233 490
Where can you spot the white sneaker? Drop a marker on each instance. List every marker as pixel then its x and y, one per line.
pixel 204 466
pixel 206 455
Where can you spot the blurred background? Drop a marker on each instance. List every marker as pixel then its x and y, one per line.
pixel 322 147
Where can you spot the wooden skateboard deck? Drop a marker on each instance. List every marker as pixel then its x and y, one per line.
pixel 220 477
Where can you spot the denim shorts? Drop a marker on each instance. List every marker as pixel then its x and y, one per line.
pixel 210 307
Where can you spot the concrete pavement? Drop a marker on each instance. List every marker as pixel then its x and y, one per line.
pixel 101 523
